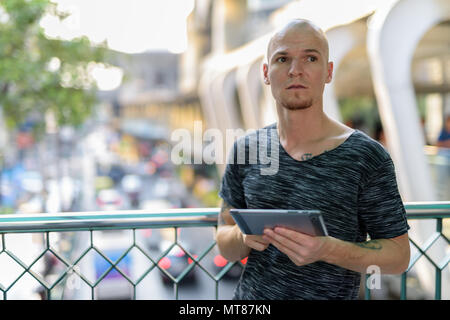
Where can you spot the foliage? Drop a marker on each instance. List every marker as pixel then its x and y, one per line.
pixel 359 111
pixel 39 74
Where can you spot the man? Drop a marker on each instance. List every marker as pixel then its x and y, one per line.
pixel 323 165
pixel 443 140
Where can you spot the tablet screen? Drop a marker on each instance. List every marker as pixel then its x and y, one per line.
pixel 253 221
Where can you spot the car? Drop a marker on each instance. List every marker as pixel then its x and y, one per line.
pixel 161 188
pixel 175 263
pixel 156 204
pixel 109 200
pixel 219 263
pixel 131 185
pixel 32 182
pixel 103 182
pixel 116 173
pixel 113 285
pixel 153 237
pixel 113 244
pixel 35 204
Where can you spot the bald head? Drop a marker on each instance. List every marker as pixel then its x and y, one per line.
pixel 299 27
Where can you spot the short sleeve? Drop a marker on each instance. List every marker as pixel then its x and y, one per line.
pixel 380 207
pixel 231 190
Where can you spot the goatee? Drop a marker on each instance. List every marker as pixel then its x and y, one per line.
pixel 298 105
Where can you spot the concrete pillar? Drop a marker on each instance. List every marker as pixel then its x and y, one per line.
pixel 206 99
pixel 223 90
pixel 249 84
pixel 393 34
pixel 341 40
pixel 229 25
pixel 217 94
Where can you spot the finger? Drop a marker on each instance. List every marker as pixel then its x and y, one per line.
pixel 272 238
pixel 257 238
pixel 291 234
pixel 285 241
pixel 295 257
pixel 256 244
pixel 286 245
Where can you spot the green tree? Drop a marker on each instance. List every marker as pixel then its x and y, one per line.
pixel 39 74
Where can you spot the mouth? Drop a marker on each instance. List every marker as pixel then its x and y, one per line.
pixel 296 86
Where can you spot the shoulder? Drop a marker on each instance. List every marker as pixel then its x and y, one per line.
pixel 368 148
pixel 372 158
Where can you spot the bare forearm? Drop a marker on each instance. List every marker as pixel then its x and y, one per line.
pixel 384 253
pixel 230 242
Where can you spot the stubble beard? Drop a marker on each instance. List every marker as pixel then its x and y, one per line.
pixel 299 105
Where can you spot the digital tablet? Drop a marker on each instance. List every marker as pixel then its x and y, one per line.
pixel 253 221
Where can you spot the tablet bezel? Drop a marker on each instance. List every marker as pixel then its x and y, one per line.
pixel 253 221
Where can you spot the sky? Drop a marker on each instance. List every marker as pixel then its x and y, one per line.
pixel 130 26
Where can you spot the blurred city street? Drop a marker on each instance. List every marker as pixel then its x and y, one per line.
pixel 93 112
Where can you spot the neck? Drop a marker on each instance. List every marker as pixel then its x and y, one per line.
pixel 297 127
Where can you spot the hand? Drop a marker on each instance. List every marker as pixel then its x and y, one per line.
pixel 301 248
pixel 255 242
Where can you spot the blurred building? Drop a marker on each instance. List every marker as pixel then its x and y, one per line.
pixel 150 76
pixel 150 93
pixel 391 75
pixel 393 53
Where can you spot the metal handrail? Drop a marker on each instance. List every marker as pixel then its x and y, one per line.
pixel 189 217
pixel 100 220
pixel 427 209
pixel 136 219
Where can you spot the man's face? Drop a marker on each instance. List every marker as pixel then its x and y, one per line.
pixel 298 67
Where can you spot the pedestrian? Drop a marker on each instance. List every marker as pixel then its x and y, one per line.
pixel 323 165
pixel 443 140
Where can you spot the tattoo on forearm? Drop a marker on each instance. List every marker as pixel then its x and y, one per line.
pixel 225 207
pixel 306 156
pixel 372 245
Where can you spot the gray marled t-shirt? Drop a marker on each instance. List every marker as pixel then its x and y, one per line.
pixel 354 185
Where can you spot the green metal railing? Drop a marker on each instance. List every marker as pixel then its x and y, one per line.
pixel 437 211
pixel 90 222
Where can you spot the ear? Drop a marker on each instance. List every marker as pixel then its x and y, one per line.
pixel 266 73
pixel 329 72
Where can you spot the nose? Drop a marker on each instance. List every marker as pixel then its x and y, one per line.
pixel 296 68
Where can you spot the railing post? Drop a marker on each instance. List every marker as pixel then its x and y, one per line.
pixel 438 270
pixel 403 286
pixel 367 295
pixel 438 284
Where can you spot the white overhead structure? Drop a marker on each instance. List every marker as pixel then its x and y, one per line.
pixel 226 77
pixel 249 84
pixel 392 38
pixel 341 40
pixel 240 72
pixel 223 90
pixel 390 28
pixel 393 34
pixel 248 62
pixel 206 99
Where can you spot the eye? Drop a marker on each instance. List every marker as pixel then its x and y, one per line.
pixel 312 58
pixel 281 59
